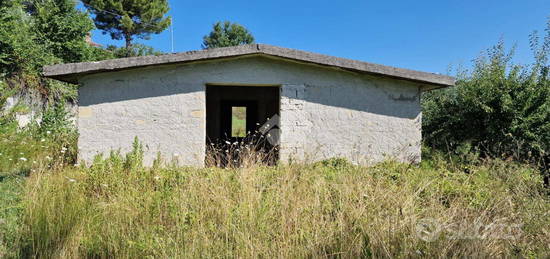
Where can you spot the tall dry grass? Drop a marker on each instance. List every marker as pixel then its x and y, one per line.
pixel 252 150
pixel 117 208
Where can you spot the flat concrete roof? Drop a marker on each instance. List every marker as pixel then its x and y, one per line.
pixel 72 71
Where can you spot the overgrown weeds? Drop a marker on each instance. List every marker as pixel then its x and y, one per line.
pixel 50 144
pixel 253 149
pixel 23 152
pixel 117 208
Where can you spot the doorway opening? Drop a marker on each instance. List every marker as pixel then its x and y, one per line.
pixel 242 125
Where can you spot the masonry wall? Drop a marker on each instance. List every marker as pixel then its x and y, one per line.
pixel 365 122
pixel 324 112
pixel 35 103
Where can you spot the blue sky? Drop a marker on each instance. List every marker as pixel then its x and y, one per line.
pixel 430 35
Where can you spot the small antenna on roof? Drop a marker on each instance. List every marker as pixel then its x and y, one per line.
pixel 172 35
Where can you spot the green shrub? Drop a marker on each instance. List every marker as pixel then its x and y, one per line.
pixel 499 109
pixel 335 163
pixel 38 33
pixel 50 144
pixel 134 50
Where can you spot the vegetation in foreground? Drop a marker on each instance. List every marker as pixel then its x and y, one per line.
pixel 117 208
pixel 49 145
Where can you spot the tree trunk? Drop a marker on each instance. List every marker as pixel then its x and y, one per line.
pixel 128 38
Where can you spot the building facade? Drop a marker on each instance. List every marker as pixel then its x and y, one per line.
pixel 318 106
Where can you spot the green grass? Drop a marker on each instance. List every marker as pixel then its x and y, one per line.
pixel 238 128
pixel 11 188
pixel 238 122
pixel 116 208
pixel 24 152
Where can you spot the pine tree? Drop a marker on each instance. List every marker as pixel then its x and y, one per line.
pixel 226 35
pixel 130 18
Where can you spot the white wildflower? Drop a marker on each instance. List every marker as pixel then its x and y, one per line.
pixel 227 142
pixel 42 140
pixel 22 159
pixel 48 132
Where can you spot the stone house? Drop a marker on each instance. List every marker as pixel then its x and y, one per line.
pixel 315 106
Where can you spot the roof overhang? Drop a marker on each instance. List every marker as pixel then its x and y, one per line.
pixel 73 71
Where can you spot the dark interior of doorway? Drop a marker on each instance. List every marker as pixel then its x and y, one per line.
pixel 256 104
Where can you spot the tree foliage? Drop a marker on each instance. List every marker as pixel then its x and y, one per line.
pixel 133 51
pixel 20 50
pixel 130 18
pixel 499 108
pixel 62 29
pixel 227 34
pixel 35 33
pixel 41 32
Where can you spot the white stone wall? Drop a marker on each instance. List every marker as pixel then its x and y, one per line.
pixel 324 112
pixel 362 123
pixel 35 104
